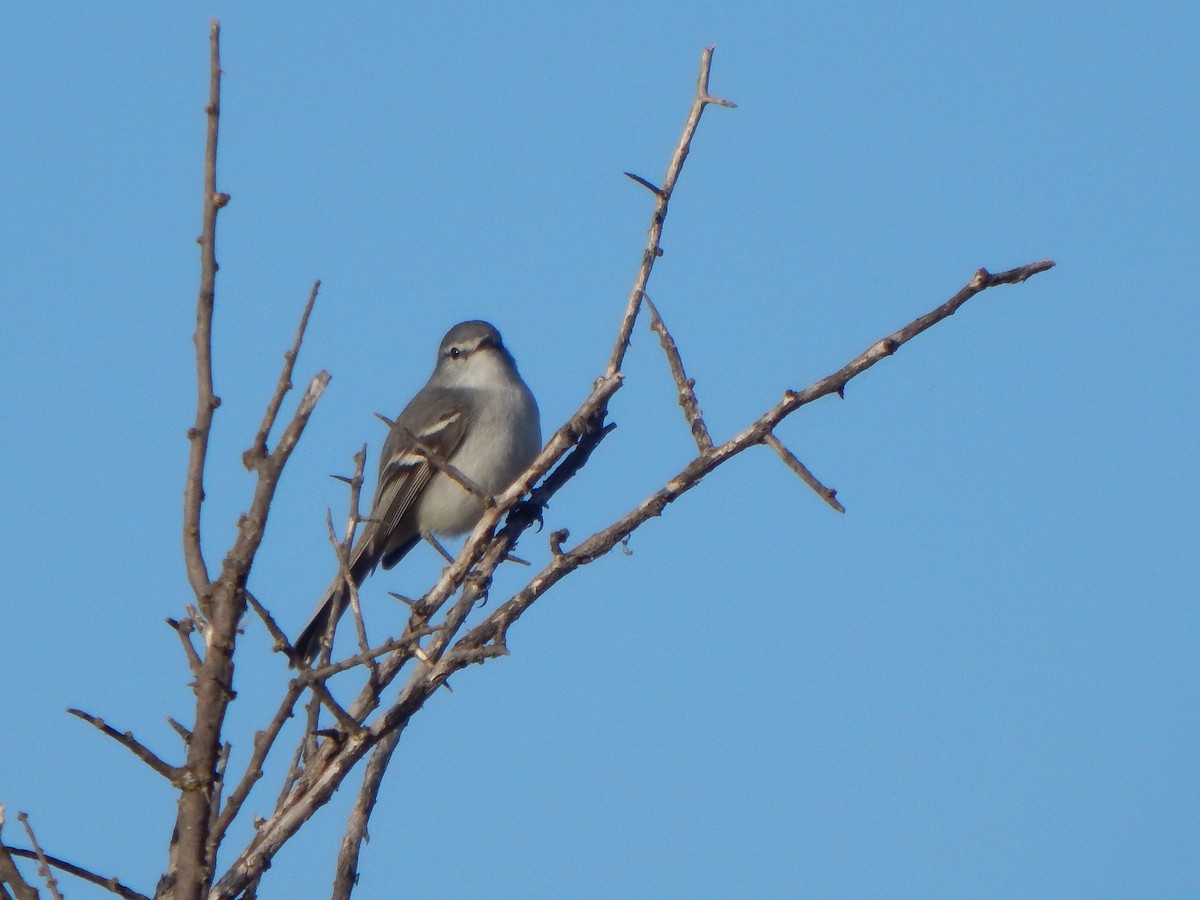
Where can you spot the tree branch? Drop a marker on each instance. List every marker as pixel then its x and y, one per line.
pixel 438 461
pixel 9 873
pixel 43 863
pixel 829 495
pixel 258 450
pixel 223 601
pixel 685 385
pixel 206 401
pixel 263 742
pixel 109 884
pixel 187 877
pixel 184 629
pixel 327 756
pixel 133 745
pixel 663 196
pixel 496 624
pixel 346 869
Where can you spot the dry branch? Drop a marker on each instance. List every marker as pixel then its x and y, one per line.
pixel 413 444
pixel 829 495
pixel 566 452
pixel 369 725
pixel 206 401
pixel 686 386
pixel 663 196
pixel 223 601
pixel 184 629
pixel 9 873
pixel 43 863
pixel 132 744
pixel 494 627
pixel 113 885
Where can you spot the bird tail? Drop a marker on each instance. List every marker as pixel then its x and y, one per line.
pixel 366 556
pixel 331 607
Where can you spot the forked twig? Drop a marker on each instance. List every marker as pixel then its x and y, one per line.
pixel 663 197
pixel 258 450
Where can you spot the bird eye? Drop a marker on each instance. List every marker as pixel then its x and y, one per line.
pixel 455 353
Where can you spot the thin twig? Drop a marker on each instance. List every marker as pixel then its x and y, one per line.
pixel 112 885
pixel 281 642
pixel 43 863
pixel 133 745
pixel 342 549
pixel 648 185
pixel 475 587
pixel 184 629
pixel 829 495
pixel 686 386
pixel 406 641
pixel 296 769
pixel 263 742
pixel 349 724
pixel 214 802
pixel 9 873
pixel 306 749
pixel 663 196
pixel 291 435
pixel 346 869
pixel 184 734
pixel 258 450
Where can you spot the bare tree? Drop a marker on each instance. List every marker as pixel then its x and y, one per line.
pixel 396 678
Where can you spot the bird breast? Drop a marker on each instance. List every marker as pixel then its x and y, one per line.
pixel 499 444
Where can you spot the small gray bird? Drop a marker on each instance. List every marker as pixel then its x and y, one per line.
pixel 478 415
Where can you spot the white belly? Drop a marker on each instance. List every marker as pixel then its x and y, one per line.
pixel 492 455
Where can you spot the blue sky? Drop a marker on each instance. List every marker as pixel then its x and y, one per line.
pixel 980 681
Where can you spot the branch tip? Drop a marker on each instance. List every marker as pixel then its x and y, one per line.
pixel 648 185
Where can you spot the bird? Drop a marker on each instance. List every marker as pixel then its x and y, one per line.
pixel 477 414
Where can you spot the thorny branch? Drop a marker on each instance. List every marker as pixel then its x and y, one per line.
pixel 439 462
pixel 11 877
pixel 663 197
pixel 494 627
pixel 471 572
pixel 223 601
pixel 430 650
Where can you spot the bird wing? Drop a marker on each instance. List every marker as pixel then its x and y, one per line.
pixel 403 474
